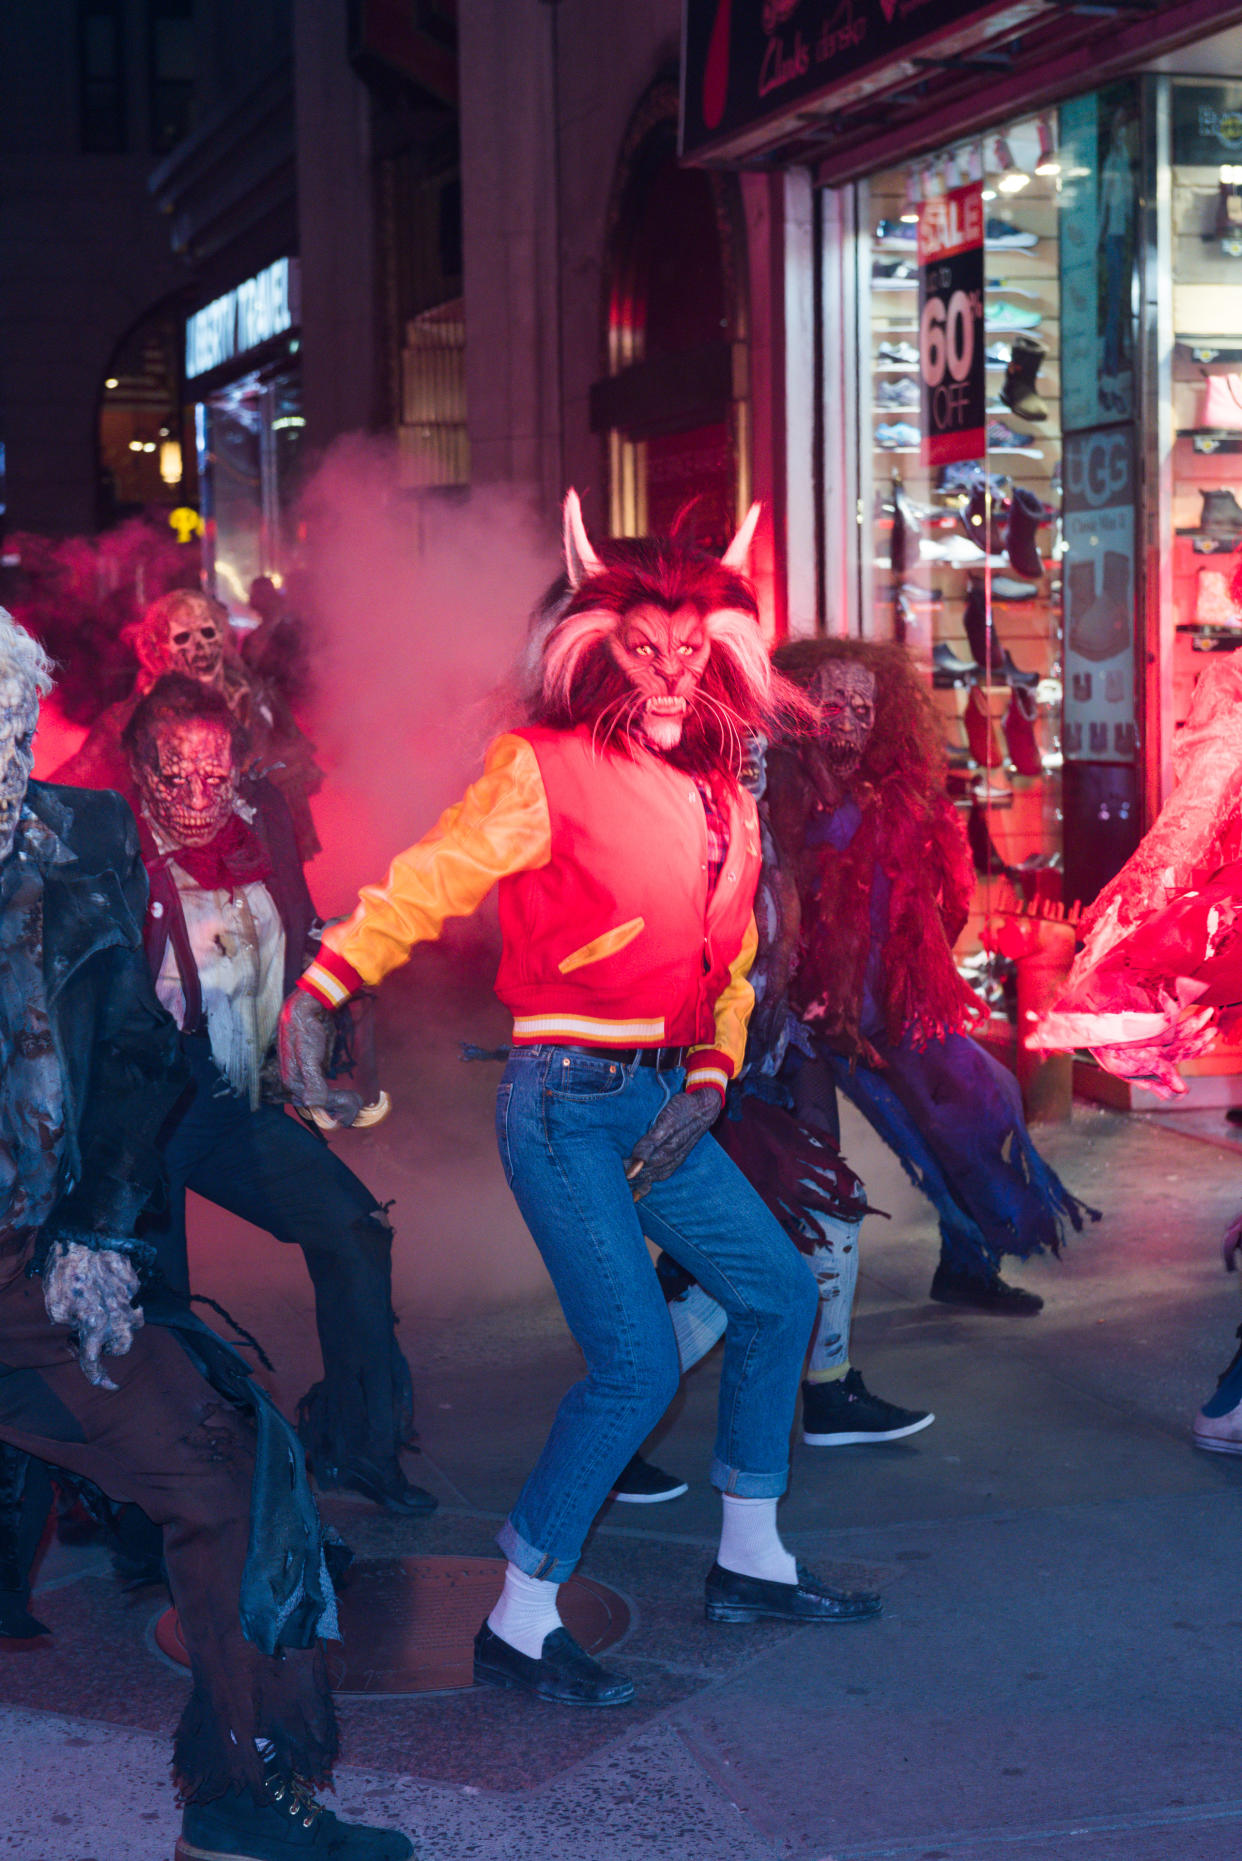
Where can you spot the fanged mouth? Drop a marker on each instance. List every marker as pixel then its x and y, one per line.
pixel 667 707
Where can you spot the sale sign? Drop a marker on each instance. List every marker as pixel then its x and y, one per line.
pixel 951 341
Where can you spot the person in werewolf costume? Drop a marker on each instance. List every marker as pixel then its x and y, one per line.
pixel 140 1397
pixel 627 853
pixel 876 887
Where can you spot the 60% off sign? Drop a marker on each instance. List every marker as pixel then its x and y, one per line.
pixel 951 338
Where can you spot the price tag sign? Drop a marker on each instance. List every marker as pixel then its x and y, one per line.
pixel 951 340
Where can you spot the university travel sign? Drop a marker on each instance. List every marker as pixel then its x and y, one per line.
pixel 243 319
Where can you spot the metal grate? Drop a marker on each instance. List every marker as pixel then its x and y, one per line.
pixel 408 1624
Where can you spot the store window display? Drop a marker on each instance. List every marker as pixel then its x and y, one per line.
pixel 965 568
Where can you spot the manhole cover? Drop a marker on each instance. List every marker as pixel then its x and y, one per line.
pixel 408 1623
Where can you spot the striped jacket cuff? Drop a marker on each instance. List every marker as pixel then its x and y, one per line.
pixel 708 1067
pixel 330 979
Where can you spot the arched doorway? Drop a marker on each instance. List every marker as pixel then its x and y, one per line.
pixel 673 405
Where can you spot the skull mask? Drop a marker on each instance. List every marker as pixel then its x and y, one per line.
pixel 188 779
pixel 19 716
pixel 663 656
pixel 183 634
pixel 845 693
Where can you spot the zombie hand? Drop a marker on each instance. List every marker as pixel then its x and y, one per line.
pixel 306 1037
pixel 92 1291
pixel 665 1147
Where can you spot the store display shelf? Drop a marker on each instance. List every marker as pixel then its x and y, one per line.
pixel 1206 349
pixel 1205 639
pixel 1206 439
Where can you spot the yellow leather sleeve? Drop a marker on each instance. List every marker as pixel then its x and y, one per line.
pixel 732 1010
pixel 501 825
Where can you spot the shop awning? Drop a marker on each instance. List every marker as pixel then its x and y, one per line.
pixel 845 86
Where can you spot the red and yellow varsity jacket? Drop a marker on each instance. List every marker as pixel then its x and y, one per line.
pixel 611 938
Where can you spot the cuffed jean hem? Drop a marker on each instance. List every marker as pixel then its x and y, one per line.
pixel 534 1563
pixel 740 1485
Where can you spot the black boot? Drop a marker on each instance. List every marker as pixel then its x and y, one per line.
pixel 1018 389
pixel 949 671
pixel 1027 514
pixel 25 1500
pixel 289 1825
pixel 953 1285
pixel 984 643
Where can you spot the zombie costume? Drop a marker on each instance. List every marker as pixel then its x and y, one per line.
pixel 626 855
pixel 185 632
pixel 142 1400
pixel 1159 978
pixel 229 929
pixel 775 1132
pixel 882 889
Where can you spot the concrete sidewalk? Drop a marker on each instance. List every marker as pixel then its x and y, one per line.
pixel 1055 1676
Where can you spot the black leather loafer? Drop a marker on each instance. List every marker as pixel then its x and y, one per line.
pixel 564 1673
pixel 732 1598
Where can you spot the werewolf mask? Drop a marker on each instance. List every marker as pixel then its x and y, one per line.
pixel 659 646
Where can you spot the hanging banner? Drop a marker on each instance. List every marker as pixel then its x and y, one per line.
pixel 951 342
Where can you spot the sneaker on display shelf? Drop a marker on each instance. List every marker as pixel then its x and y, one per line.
pixel 1009 316
pixel 997 355
pixel 897 354
pixel 900 393
pixel 1000 233
pixel 896 273
pixel 1003 438
pixel 897 233
pixel 900 435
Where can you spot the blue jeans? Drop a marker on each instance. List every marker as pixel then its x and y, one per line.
pixel 566 1124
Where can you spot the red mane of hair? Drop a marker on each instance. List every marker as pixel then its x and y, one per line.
pixel 739 694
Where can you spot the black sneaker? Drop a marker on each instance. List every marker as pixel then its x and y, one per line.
pixel 289 1825
pixel 952 1286
pixel 641 1484
pixel 846 1414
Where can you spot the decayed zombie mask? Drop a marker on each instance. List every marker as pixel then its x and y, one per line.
pixel 182 634
pixel 663 656
pixel 845 693
pixel 188 780
pixel 19 715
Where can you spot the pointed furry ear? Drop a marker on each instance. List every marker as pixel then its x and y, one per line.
pixel 735 555
pixel 581 561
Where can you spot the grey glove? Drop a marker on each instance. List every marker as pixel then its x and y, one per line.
pixel 92 1291
pixel 305 1039
pixel 665 1147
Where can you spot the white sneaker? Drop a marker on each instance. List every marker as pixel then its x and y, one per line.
pixel 1218 1425
pixel 1220 1434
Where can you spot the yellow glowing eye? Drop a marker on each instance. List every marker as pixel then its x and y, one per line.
pixel 685 651
pixel 643 652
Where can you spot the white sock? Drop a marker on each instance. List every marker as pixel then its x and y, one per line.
pixel 750 1544
pixel 525 1612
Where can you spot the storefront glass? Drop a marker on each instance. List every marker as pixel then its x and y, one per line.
pixel 1206 434
pixel 250 447
pixel 961 330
